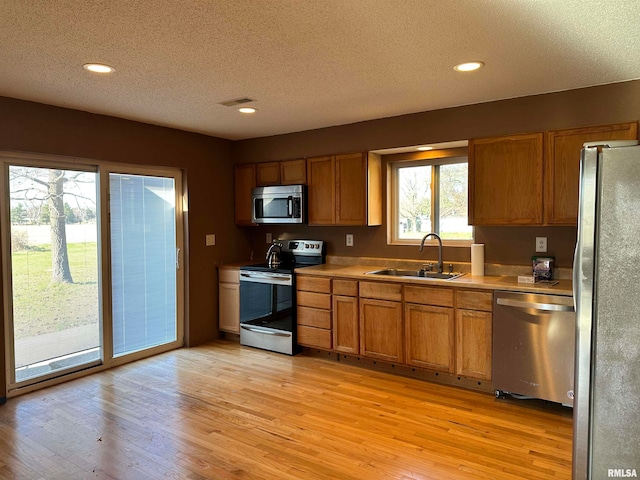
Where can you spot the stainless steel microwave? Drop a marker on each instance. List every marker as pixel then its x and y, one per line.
pixel 279 204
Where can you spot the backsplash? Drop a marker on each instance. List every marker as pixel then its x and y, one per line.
pixel 503 245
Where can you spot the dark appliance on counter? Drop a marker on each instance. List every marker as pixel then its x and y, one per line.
pixel 268 295
pixel 279 204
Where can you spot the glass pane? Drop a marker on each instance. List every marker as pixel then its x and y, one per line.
pixel 54 265
pixel 454 224
pixel 414 201
pixel 143 262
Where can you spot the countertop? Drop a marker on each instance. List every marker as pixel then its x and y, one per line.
pixel 510 283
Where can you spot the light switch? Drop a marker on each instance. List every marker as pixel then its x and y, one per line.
pixel 210 240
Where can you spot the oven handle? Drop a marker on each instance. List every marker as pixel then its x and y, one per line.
pixel 266 332
pixel 271 278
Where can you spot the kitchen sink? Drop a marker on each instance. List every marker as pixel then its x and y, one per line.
pixel 394 272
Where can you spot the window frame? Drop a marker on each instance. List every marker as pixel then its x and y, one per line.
pixel 433 159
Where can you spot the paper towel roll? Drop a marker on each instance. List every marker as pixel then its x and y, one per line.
pixel 477 259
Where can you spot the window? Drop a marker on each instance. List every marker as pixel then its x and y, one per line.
pixel 429 195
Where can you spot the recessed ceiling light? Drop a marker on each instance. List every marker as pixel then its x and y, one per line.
pixel 98 68
pixel 424 149
pixel 247 110
pixel 468 66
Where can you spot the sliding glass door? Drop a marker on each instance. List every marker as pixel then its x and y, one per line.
pixel 91 265
pixel 143 261
pixel 54 270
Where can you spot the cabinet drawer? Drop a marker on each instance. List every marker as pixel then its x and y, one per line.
pixel 314 317
pixel 314 300
pixel 382 291
pixel 441 297
pixel 474 300
pixel 313 284
pixel 348 288
pixel 229 275
pixel 314 337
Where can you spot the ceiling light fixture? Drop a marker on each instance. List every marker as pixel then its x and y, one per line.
pixel 424 149
pixel 247 110
pixel 468 66
pixel 98 68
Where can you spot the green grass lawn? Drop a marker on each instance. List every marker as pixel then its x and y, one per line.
pixel 41 306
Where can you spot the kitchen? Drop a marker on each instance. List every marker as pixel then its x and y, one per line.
pixel 34 127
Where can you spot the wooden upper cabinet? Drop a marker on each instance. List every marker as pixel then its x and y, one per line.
pixel 345 190
pixel 562 167
pixel 505 180
pixel 293 172
pixel 267 173
pixel 244 181
pixel 321 194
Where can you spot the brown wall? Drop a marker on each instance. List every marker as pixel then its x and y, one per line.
pixel 206 161
pixel 507 245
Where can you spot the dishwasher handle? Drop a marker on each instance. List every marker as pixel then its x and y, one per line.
pixel 549 307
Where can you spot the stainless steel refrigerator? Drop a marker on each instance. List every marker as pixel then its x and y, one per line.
pixel 606 440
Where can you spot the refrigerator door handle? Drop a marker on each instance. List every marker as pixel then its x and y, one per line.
pixel 575 275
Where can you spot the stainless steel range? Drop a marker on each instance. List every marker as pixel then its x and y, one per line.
pixel 267 295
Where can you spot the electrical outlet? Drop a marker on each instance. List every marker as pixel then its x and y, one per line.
pixel 269 238
pixel 210 239
pixel 541 244
pixel 349 240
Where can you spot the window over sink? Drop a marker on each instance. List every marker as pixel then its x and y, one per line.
pixel 429 193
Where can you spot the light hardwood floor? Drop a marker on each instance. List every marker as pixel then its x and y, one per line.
pixel 223 411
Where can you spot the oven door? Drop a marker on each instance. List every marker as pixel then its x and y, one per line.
pixel 267 311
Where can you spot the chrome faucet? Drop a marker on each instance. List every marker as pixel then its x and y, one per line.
pixel 437 237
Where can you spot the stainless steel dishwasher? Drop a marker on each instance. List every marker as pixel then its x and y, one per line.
pixel 534 346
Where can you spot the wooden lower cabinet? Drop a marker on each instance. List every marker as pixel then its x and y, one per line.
pixel 313 295
pixel 381 333
pixel 229 301
pixel 429 337
pixel 346 338
pixel 473 343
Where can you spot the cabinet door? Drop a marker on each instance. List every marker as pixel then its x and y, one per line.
pixel 293 172
pixel 562 167
pixel 321 193
pixel 381 329
pixel 229 307
pixel 505 180
pixel 345 324
pixel 473 344
pixel 351 189
pixel 429 337
pixel 245 181
pixel 268 173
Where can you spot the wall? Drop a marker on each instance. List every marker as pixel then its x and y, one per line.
pixel 206 161
pixel 508 245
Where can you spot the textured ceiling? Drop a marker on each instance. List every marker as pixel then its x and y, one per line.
pixel 307 63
